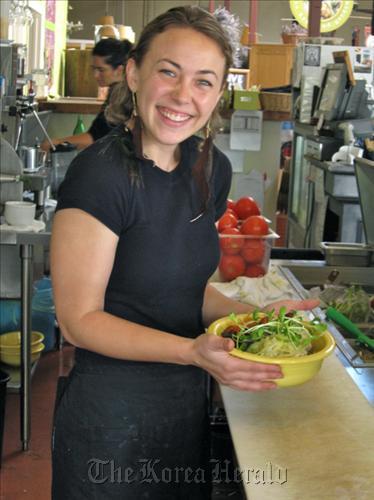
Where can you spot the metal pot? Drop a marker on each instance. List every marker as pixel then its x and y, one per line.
pixel 32 157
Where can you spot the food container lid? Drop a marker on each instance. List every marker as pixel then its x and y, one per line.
pixel 364 170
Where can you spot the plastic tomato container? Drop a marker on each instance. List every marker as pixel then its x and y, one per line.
pixel 244 255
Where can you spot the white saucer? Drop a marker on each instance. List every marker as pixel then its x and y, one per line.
pixel 35 227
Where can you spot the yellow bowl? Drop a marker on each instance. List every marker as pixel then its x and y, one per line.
pixel 296 370
pixel 14 358
pixel 12 340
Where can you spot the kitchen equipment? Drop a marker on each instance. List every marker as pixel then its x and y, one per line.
pixel 33 158
pixel 322 148
pixel 347 324
pixel 10 166
pixel 296 370
pixel 364 170
pixel 346 254
pixel 19 213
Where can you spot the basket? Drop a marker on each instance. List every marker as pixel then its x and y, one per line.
pixel 293 38
pixel 276 101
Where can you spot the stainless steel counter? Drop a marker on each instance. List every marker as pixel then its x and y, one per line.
pixel 26 242
pixel 314 440
pixel 302 274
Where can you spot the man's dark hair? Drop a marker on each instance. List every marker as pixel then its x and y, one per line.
pixel 114 51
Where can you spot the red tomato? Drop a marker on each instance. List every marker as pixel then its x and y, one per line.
pixel 229 245
pixel 253 251
pixel 230 211
pixel 230 204
pixel 254 271
pixel 231 266
pixel 245 207
pixel 255 225
pixel 227 220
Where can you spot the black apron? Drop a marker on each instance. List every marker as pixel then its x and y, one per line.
pixel 127 430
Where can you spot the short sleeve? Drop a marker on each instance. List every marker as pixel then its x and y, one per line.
pixel 99 127
pixel 222 175
pixel 97 183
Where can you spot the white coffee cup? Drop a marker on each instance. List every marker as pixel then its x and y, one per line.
pixel 19 213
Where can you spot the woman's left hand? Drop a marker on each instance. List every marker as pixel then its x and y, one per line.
pixel 295 305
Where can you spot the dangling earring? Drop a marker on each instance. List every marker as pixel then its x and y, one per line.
pixel 208 130
pixel 137 127
pixel 134 105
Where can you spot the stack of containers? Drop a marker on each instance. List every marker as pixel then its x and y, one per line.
pixel 42 313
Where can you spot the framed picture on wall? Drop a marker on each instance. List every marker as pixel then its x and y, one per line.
pixel 238 79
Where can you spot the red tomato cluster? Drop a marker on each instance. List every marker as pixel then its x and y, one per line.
pixel 240 255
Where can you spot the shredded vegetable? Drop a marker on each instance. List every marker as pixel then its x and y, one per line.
pixel 285 335
pixel 354 303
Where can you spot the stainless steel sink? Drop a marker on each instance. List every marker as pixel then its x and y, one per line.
pixel 303 275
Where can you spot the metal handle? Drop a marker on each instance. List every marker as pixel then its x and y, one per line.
pixel 347 324
pixel 10 178
pixel 53 147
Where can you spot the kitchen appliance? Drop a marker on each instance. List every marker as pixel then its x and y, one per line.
pixel 12 64
pixel 332 90
pixel 309 63
pixel 364 170
pixel 339 254
pixel 11 185
pixel 322 148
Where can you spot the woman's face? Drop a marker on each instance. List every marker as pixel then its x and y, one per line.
pixel 177 85
pixel 104 73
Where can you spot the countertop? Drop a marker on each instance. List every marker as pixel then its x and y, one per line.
pixel 82 105
pixel 30 237
pixel 90 105
pixel 316 439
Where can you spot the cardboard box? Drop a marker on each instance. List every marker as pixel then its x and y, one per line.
pixel 246 99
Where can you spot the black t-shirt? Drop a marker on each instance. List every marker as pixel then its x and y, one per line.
pixel 163 260
pixel 100 127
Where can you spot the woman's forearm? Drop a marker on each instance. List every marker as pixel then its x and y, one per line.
pixel 80 140
pixel 115 337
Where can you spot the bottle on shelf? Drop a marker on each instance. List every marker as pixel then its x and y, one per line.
pixel 79 126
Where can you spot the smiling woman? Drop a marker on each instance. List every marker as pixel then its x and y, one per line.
pixel 134 243
pixel 175 95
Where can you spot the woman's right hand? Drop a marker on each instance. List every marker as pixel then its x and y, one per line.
pixel 212 354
